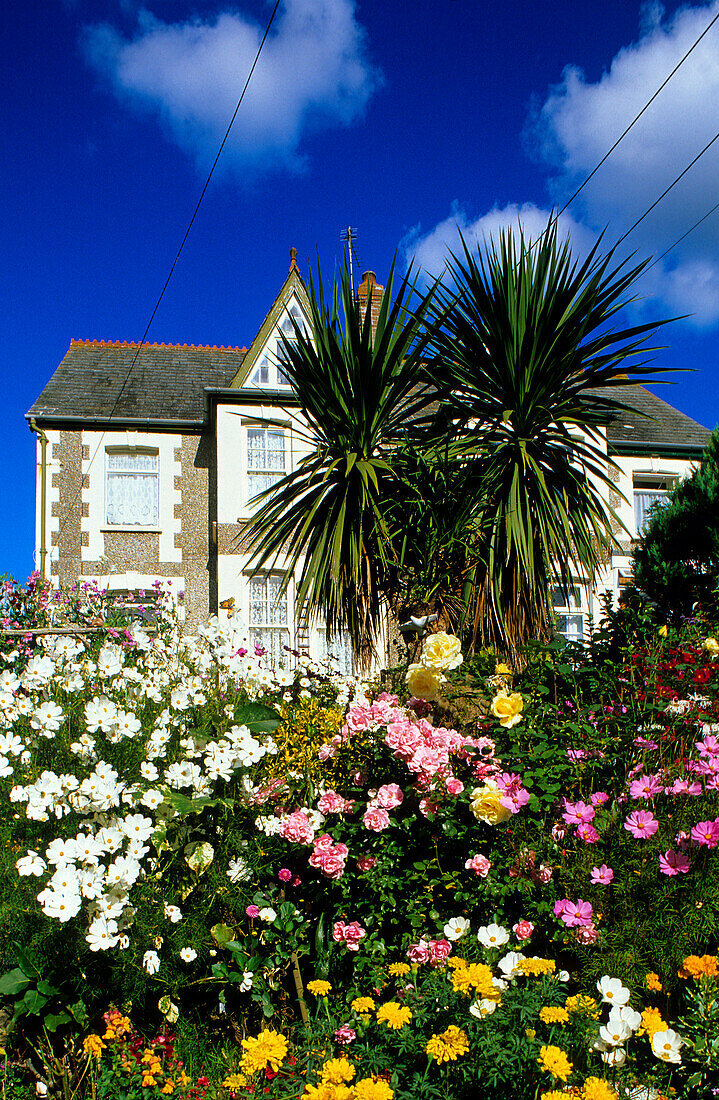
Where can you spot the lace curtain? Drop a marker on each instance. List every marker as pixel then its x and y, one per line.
pixel 268 619
pixel 132 489
pixel 265 458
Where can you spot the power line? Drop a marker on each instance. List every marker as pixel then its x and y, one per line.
pixel 174 265
pixel 634 121
pixel 680 239
pixel 667 190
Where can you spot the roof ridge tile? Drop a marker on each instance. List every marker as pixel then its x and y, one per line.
pixel 135 344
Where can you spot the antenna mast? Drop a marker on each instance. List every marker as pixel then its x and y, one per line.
pixel 349 235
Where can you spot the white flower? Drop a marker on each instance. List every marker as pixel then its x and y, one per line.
pixel 31 864
pixel 61 905
pixel 666 1045
pixel 493 935
pixel 188 954
pixel 482 1008
pixel 612 991
pixel 173 913
pixel 152 799
pixel 615 1032
pixel 627 1015
pixel 615 1057
pixel 455 928
pixel 102 934
pixel 509 965
pixel 268 914
pixel 246 983
pixel 148 771
pixel 151 962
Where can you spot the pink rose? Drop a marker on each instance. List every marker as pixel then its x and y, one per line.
pixel 330 864
pixel 297 828
pixel 428 806
pixel 331 803
pixel 324 843
pixel 587 935
pixel 345 1035
pixel 338 931
pixel 479 864
pixel 418 952
pixel 454 786
pixel 389 796
pixel 523 929
pixel 354 932
pixel 439 951
pixel 376 819
pixel 366 863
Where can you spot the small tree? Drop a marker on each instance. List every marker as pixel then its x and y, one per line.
pixel 677 561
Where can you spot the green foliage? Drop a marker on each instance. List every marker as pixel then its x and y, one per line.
pixel 676 563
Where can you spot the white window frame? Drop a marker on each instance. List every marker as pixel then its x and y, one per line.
pixel 131 452
pixel 339 649
pixel 266 372
pixel 570 607
pixel 655 486
pixel 252 476
pixel 262 630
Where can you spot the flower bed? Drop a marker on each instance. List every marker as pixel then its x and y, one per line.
pixel 305 886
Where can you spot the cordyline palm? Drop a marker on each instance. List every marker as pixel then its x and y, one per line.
pixel 329 517
pixel 526 342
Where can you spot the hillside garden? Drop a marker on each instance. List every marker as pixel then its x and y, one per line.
pixel 222 880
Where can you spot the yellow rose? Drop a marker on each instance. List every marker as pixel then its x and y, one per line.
pixel 508 708
pixel 442 651
pixel 662 632
pixel 711 646
pixel 503 669
pixel 486 804
pixel 423 682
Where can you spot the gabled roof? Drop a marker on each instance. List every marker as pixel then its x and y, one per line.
pixel 165 384
pixel 293 286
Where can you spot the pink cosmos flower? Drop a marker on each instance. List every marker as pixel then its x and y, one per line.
pixel 601 875
pixel 686 786
pixel 645 743
pixel 375 819
pixel 641 824
pixel 345 1035
pixel 587 833
pixel 577 812
pixel 707 833
pixel 523 929
pixel 558 832
pixel 479 864
pixel 389 796
pixel 599 798
pixel 366 863
pixel 647 786
pixel 674 863
pixel 574 914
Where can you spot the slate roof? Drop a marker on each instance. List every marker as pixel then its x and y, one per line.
pixel 667 427
pixel 168 380
pixel 165 384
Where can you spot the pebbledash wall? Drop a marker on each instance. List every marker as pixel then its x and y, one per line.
pixel 83 546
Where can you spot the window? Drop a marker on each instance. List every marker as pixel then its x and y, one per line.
pixel 268 618
pixel 649 491
pixel 132 488
pixel 569 617
pixel 268 372
pixel 337 652
pixel 266 461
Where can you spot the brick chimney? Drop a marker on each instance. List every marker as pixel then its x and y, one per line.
pixel 368 289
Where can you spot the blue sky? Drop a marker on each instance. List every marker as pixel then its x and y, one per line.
pixel 402 120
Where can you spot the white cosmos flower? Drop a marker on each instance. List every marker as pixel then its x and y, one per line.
pixel 152 799
pixel 151 962
pixel 666 1046
pixel 173 913
pixel 268 914
pixel 612 991
pixel 61 906
pixel 6 767
pixel 493 935
pixel 509 965
pixel 626 1014
pixel 615 1032
pixel 102 934
pixel 614 1057
pixel 148 771
pixel 482 1008
pixel 138 827
pixel 188 954
pixel 31 864
pixel 455 928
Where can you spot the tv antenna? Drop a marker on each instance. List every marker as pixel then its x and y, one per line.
pixel 349 235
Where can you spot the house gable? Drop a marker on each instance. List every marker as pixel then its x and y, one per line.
pixel 259 366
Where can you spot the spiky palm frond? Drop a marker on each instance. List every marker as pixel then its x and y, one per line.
pixel 528 352
pixel 328 518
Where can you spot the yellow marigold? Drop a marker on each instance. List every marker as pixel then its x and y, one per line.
pixel 537 966
pixel 337 1071
pixel 651 1022
pixel 398 970
pixel 583 1005
pixel 327 1091
pixel 508 708
pixel 696 966
pixel 168 1087
pixel 148 1081
pixel 319 988
pixel 553 1060
pixel 652 982
pixel 477 977
pixel 454 962
pixel 551 1015
pixel 93 1044
pixel 394 1015
pixel 369 1088
pixel 556 1094
pixel 449 1045
pixel 596 1088
pixel 269 1048
pixel 232 1081
pixel 363 1004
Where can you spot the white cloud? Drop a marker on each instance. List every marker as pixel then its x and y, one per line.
pixel 431 250
pixel 579 121
pixel 313 72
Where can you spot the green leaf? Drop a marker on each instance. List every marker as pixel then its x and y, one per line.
pixel 222 934
pixel 13 982
pixel 53 1022
pixel 258 718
